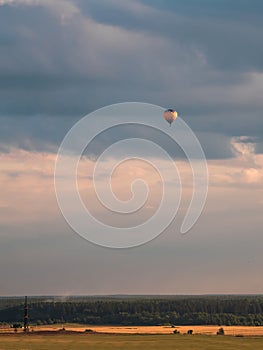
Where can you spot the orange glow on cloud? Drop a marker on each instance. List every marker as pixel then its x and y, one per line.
pixel 27 184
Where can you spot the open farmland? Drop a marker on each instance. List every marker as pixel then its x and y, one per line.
pixel 110 329
pixel 205 330
pixel 138 342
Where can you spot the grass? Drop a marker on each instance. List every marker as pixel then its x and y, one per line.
pixel 127 342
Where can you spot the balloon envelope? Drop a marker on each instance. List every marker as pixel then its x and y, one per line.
pixel 170 115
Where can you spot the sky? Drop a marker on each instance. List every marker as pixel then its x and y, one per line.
pixel 61 60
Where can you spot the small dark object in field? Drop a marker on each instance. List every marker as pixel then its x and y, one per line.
pixel 220 331
pixel 89 331
pixel 17 325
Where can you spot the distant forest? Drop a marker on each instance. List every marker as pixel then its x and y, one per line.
pixel 140 310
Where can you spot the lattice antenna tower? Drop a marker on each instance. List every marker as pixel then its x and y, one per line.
pixel 26 327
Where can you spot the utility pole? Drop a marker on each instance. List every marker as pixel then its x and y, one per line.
pixel 26 316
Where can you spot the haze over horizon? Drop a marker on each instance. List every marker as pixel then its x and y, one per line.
pixel 62 60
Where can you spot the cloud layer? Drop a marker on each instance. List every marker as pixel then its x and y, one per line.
pixel 61 61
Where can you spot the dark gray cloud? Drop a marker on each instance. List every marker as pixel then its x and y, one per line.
pixel 223 8
pixel 196 57
pixel 214 145
pixel 228 33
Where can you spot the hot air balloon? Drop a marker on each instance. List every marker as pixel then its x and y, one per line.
pixel 170 115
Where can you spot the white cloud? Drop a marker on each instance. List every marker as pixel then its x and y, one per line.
pixel 244 148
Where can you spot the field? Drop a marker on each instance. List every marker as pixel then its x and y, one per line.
pixel 120 341
pixel 200 330
pixel 141 337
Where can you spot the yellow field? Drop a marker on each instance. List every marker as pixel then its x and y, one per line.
pixel 208 330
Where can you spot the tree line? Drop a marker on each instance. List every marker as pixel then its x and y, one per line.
pixel 220 310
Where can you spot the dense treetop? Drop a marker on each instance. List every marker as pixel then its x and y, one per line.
pixel 137 310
